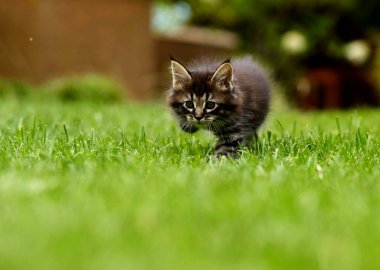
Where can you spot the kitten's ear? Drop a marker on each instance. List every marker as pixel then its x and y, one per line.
pixel 180 75
pixel 224 76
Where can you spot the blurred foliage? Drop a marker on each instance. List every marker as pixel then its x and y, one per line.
pixel 13 88
pixel 89 87
pixel 261 24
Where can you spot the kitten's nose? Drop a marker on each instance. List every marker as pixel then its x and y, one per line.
pixel 198 118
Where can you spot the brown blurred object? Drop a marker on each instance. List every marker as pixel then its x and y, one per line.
pixel 375 74
pixel 335 88
pixel 45 39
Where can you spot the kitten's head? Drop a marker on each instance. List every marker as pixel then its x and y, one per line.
pixel 202 97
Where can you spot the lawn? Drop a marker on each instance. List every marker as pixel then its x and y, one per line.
pixel 116 185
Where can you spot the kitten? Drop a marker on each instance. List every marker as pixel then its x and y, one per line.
pixel 231 99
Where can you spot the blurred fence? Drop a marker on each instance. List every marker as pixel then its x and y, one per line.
pixel 45 39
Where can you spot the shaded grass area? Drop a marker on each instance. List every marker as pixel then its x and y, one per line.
pixel 86 185
pixel 90 87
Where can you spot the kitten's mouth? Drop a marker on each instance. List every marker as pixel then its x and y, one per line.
pixel 202 123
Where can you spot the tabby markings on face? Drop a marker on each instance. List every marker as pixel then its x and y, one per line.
pixel 199 108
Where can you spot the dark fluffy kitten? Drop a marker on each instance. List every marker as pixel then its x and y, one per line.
pixel 231 99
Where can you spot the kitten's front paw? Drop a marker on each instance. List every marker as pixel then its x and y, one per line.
pixel 225 151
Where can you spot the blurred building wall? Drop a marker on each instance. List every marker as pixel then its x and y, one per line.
pixel 45 39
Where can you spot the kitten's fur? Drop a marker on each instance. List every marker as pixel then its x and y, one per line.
pixel 229 98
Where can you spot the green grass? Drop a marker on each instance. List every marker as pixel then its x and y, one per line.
pixel 86 185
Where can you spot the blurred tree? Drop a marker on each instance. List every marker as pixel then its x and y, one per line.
pixel 292 34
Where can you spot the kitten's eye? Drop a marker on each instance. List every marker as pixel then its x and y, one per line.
pixel 189 104
pixel 210 105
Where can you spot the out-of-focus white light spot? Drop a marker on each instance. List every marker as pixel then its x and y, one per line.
pixel 357 51
pixel 304 87
pixel 30 39
pixel 168 16
pixel 294 42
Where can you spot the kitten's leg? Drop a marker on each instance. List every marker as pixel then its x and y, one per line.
pixel 231 145
pixel 250 138
pixel 228 146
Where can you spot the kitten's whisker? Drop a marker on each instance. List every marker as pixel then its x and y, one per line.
pixel 188 125
pixel 209 127
pixel 217 130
